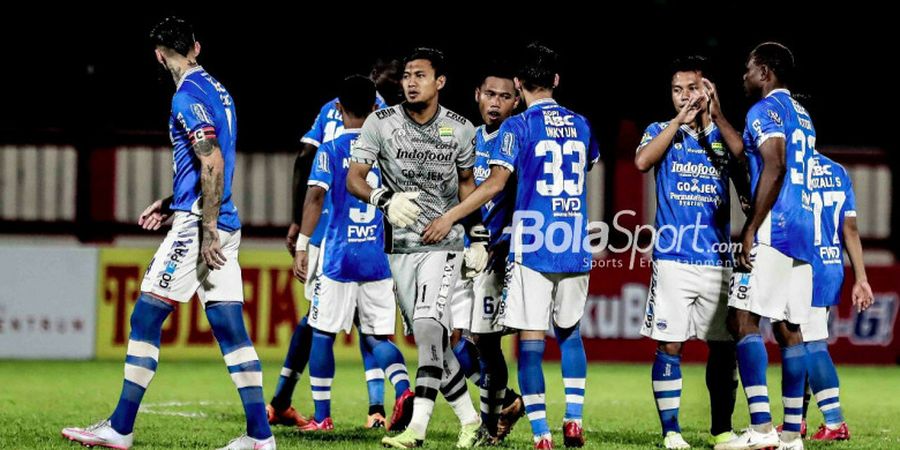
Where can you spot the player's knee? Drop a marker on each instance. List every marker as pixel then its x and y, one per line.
pixel 787 334
pixel 531 335
pixel 563 334
pixel 455 336
pixel 741 323
pixel 670 348
pixel 227 321
pixel 148 316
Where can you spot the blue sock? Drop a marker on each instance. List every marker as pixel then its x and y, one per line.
pixel 793 383
pixel 140 359
pixel 666 375
pixel 574 369
pixel 374 374
pixel 467 355
pixel 823 380
pixel 391 361
pixel 752 363
pixel 227 322
pixel 321 372
pixel 294 363
pixel 531 382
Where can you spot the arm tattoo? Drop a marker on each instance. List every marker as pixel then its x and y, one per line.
pixel 205 147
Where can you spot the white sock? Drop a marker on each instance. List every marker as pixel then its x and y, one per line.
pixel 422 409
pixel 464 410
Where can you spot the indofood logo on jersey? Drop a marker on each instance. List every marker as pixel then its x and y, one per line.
pixel 481 173
pixel 695 169
pixel 424 155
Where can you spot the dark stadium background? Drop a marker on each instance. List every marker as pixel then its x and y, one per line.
pixel 87 76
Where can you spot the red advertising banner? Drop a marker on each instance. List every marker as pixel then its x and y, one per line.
pixel 618 294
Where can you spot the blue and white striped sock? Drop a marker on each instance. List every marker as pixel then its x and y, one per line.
pixel 321 372
pixel 823 380
pixel 227 322
pixel 752 363
pixel 666 375
pixel 141 359
pixel 531 382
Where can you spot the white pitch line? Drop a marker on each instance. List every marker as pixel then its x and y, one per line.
pixel 150 408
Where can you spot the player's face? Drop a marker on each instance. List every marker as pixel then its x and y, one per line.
pixel 753 78
pixel 496 99
pixel 685 84
pixel 387 83
pixel 420 86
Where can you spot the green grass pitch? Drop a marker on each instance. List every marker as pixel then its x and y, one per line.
pixel 194 405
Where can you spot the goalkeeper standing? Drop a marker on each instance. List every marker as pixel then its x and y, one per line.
pixel 425 153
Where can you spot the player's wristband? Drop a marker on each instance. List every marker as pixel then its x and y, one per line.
pixel 380 197
pixel 302 243
pixel 478 233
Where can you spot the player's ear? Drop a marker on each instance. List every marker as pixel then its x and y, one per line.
pixel 518 84
pixel 196 48
pixel 555 80
pixel 441 81
pixel 374 107
pixel 477 94
pixel 339 107
pixel 159 57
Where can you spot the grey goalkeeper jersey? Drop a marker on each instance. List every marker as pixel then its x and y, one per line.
pixel 423 158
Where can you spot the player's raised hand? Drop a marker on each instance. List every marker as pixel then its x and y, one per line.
pixel 689 111
pixel 211 248
pixel 712 98
pixel 301 260
pixel 154 215
pixel 862 295
pixel 436 231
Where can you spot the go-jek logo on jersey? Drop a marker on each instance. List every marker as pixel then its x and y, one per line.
pixel 695 169
pixel 423 156
pixel 695 187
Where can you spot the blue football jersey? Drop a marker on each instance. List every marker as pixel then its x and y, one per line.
pixel 354 237
pixel 496 214
pixel 789 227
pixel 329 123
pixel 549 148
pixel 692 194
pixel 202 109
pixel 832 200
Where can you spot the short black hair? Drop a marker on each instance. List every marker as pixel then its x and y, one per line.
pixel 777 58
pixel 537 67
pixel 174 33
pixel 383 65
pixel 497 68
pixel 357 95
pixel 434 56
pixel 691 63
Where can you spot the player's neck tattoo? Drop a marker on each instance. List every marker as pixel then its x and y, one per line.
pixel 178 72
